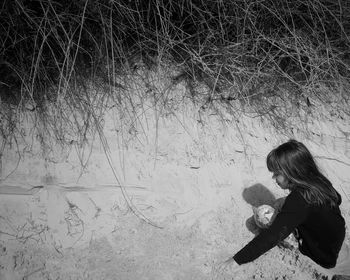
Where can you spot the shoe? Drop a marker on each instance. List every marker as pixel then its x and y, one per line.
pixel 340 277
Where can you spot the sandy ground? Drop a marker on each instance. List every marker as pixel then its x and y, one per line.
pixel 170 197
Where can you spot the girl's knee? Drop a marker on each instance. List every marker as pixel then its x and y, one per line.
pixel 278 204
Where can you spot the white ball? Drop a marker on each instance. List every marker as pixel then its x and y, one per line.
pixel 264 215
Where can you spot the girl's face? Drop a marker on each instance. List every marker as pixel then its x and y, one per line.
pixel 281 180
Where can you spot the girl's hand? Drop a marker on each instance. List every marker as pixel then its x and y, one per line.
pixel 227 267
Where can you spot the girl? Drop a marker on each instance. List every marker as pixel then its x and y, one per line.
pixel 311 210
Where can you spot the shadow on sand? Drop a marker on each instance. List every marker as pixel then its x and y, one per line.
pixel 257 195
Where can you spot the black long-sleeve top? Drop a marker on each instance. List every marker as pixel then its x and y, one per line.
pixel 321 230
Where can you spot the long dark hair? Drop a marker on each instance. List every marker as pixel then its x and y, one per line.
pixel 295 162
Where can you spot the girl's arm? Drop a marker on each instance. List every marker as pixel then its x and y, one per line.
pixel 293 213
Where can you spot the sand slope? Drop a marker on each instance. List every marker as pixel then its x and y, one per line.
pixel 171 196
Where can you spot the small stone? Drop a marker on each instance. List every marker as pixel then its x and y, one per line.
pixel 264 215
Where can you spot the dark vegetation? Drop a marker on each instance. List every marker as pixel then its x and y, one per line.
pixel 50 48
